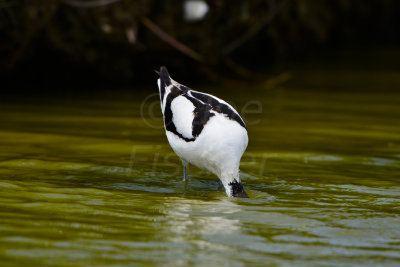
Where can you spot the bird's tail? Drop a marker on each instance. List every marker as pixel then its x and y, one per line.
pixel 163 82
pixel 164 76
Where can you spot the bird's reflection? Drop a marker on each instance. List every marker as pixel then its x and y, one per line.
pixel 190 219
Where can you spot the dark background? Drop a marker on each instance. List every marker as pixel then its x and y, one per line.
pixel 74 43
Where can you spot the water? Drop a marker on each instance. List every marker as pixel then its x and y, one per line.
pixel 91 180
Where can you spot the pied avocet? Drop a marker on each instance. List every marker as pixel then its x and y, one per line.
pixel 203 130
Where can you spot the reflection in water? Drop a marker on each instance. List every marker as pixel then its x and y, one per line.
pixel 195 222
pixel 210 230
pixel 191 217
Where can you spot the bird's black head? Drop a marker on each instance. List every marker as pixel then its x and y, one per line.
pixel 237 189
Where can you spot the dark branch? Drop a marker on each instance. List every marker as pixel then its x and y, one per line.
pixel 170 40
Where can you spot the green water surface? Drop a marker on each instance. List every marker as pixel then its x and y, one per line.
pixel 88 179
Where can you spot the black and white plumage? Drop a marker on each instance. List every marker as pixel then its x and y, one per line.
pixel 203 130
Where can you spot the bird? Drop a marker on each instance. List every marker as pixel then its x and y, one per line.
pixel 204 131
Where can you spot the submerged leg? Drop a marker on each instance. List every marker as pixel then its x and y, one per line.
pixel 185 177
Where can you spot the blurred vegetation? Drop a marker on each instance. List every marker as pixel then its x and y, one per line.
pixel 124 40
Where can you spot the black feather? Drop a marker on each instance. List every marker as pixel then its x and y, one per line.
pixel 237 189
pixel 219 107
pixel 165 81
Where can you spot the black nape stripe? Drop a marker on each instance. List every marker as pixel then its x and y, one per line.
pixel 168 115
pixel 219 107
pixel 237 189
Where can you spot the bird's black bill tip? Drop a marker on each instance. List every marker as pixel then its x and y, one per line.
pixel 156 71
pixel 238 190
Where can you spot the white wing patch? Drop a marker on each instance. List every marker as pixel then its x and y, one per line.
pixel 182 115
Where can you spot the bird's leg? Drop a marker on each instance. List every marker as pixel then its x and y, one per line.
pixel 185 176
pixel 185 173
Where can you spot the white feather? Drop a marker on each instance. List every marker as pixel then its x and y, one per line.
pixel 182 115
